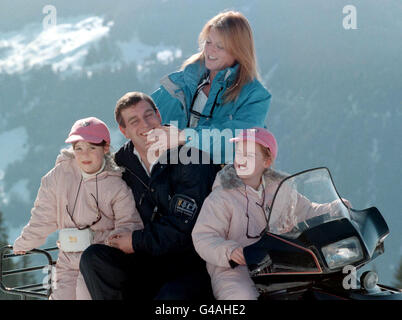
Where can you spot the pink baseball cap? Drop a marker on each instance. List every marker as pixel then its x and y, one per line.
pixel 89 129
pixel 261 136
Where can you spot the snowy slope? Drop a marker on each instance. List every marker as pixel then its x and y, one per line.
pixel 66 45
pixel 62 46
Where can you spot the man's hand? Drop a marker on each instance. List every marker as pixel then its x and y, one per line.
pixel 238 257
pixel 122 241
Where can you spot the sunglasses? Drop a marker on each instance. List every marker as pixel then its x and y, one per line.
pixel 263 208
pixel 98 216
pixel 197 114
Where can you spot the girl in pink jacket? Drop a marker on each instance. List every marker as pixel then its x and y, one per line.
pixel 85 198
pixel 235 213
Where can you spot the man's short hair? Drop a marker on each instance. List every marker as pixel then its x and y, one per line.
pixel 130 99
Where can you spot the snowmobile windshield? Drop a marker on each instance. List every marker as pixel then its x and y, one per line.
pixel 305 200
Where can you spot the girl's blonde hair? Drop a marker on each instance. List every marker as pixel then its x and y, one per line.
pixel 266 153
pixel 238 41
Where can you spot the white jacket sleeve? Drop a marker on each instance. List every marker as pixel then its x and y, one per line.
pixel 43 219
pixel 210 232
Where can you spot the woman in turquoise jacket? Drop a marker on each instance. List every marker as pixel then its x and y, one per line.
pixel 217 91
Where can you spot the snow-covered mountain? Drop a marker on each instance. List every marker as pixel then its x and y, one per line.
pixel 65 47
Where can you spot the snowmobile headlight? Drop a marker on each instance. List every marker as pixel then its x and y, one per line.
pixel 342 252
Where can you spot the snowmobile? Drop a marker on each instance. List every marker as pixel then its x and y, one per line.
pixel 319 258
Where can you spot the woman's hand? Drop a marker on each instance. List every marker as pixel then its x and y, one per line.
pixel 122 241
pixel 164 138
pixel 238 257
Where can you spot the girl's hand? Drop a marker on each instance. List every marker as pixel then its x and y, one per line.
pixel 19 252
pixel 238 257
pixel 347 203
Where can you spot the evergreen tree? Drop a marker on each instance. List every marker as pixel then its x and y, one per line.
pixel 11 264
pixel 398 276
pixel 7 264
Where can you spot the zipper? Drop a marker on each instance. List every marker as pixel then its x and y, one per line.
pixel 212 109
pixel 214 105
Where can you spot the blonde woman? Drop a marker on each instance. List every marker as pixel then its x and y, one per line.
pixel 216 88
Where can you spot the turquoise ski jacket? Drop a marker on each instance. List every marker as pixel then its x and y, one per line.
pixel 221 121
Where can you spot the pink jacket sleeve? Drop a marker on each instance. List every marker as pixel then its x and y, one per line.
pixel 307 209
pixel 210 232
pixel 127 218
pixel 43 219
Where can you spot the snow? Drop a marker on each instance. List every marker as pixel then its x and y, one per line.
pixel 72 62
pixel 167 56
pixel 136 51
pixel 65 46
pixel 62 46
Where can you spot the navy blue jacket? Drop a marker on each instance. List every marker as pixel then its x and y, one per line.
pixel 168 201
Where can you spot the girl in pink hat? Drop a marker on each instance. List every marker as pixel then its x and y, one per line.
pixel 235 214
pixel 85 199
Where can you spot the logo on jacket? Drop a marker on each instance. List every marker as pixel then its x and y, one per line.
pixel 184 206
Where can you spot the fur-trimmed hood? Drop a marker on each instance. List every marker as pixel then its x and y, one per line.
pixel 227 178
pixel 110 165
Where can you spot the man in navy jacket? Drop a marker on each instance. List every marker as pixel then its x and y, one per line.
pixel 158 262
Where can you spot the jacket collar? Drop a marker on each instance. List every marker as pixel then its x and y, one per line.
pixel 128 158
pixel 228 178
pixel 227 75
pixel 192 74
pixel 87 176
pixel 110 168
